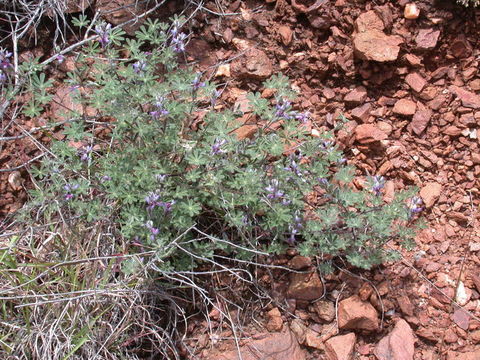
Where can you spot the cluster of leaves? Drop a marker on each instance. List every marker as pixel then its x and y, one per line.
pixel 161 184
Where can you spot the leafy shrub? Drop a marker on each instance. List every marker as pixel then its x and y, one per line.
pixel 165 186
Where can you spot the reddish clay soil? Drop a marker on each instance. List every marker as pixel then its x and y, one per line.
pixel 411 91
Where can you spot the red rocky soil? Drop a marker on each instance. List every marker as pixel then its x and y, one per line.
pixel 411 91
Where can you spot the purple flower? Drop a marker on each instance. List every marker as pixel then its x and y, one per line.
pixel 159 108
pixel 161 177
pixel 167 205
pixel 85 152
pixel 103 31
pixel 179 42
pixel 153 230
pixel 327 145
pixel 217 147
pixel 3 77
pixel 414 206
pixel 303 117
pixel 282 108
pixel 216 94
pixel 295 228
pixel 323 181
pixel 378 184
pixel 60 58
pixel 105 178
pixel 153 201
pixel 196 83
pixel 4 58
pixel 273 190
pixel 69 189
pixel 175 27
pixel 139 66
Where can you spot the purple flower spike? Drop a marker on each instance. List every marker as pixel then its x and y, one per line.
pixel 85 153
pixel 60 59
pixel 303 117
pixel 159 109
pixel 295 228
pixel 197 84
pixel 152 200
pixel 282 108
pixel 139 66
pixel 216 94
pixel 153 230
pixel 217 147
pixel 103 31
pixel 415 206
pixel 4 59
pixel 3 77
pixel 69 188
pixel 161 177
pixel 273 190
pixel 179 42
pixel 323 181
pixel 378 184
pixel 105 178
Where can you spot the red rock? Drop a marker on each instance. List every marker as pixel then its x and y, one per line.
pixel 470 355
pixel 305 286
pixel 361 112
pixel 430 193
pixel 452 131
pixel 340 347
pixel 63 101
pixel 405 107
pixel 398 345
pixel 368 133
pixel 119 11
pixel 413 60
pixel 325 310
pixel 299 329
pixel 475 336
pixel 306 6
pixel 449 336
pixel 427 333
pixel 356 96
pixel 415 81
pixel 300 262
pixel 460 47
pixel 275 322
pixel 469 99
pixel 328 93
pixel 355 314
pixel 461 318
pixel 286 34
pixel 278 346
pixel 368 21
pixel 255 65
pixel 245 131
pixel 385 127
pixel 314 339
pixel 375 45
pixel 420 121
pixel 405 305
pixel 427 39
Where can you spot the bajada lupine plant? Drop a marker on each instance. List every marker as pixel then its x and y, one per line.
pixel 170 166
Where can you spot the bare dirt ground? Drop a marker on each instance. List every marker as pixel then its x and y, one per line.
pixel 411 91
